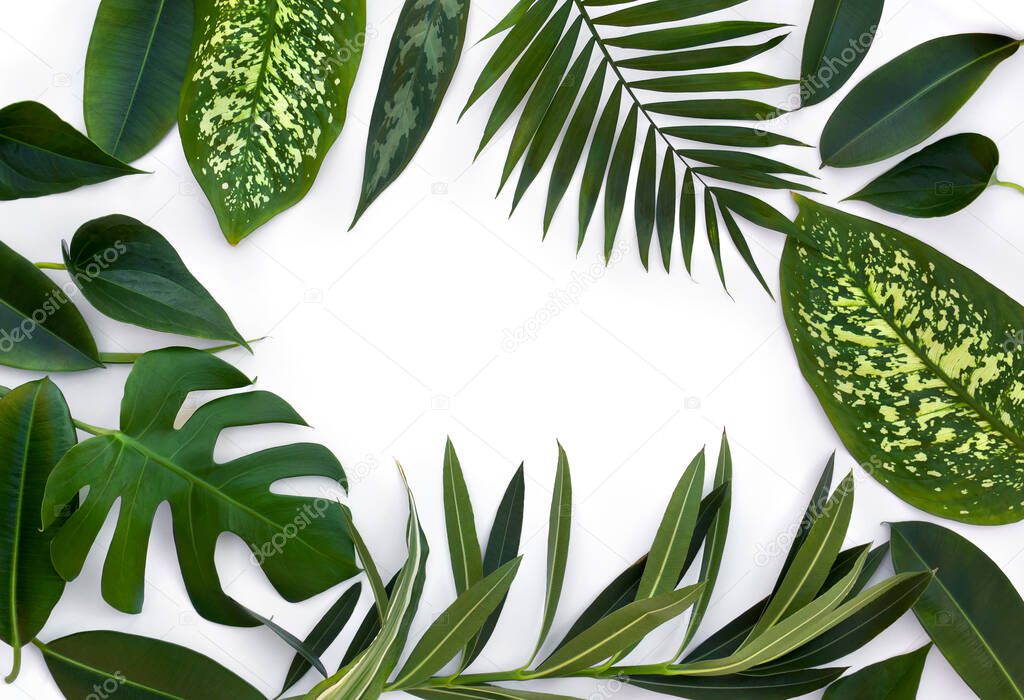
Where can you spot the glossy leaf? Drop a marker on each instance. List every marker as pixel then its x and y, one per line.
pixel 939 180
pixel 559 529
pixel 897 678
pixel 971 610
pixel 35 432
pixel 908 99
pixel 645 197
pixel 739 136
pixel 134 70
pixel 839 35
pixel 502 547
pixel 265 97
pixel 940 431
pixel 148 669
pixel 149 461
pixel 40 154
pixel 460 524
pixel 132 274
pixel 779 686
pixel 665 213
pixel 421 61
pixel 323 634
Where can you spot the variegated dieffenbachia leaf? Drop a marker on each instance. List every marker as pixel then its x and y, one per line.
pixel 916 361
pixel 265 97
pixel 421 62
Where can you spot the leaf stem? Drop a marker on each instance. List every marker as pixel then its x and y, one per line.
pixel 1011 185
pixel 50 266
pixel 127 358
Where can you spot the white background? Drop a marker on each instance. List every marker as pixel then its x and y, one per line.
pixel 389 337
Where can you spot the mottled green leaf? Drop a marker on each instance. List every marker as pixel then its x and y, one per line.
pixel 839 34
pixel 916 361
pixel 265 97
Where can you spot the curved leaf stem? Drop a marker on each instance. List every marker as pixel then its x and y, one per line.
pixel 50 266
pixel 1011 185
pixel 127 358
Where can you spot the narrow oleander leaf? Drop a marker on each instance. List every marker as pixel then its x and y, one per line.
pixel 712 82
pixel 879 303
pixel 754 210
pixel 657 11
pixel 714 542
pixel 971 609
pixel 559 529
pixel 323 634
pixel 686 60
pixel 502 547
pixel 424 53
pixel 509 20
pixel 597 161
pixel 265 98
pixel 304 651
pixel 665 214
pixel 134 70
pixel 377 587
pixel 839 35
pixel 35 432
pixel 616 595
pixel 547 56
pixel 525 28
pixel 672 540
pixel 149 461
pixel 939 180
pixel 40 329
pixel 688 36
pixel 711 224
pixel 460 524
pixel 132 274
pixel 40 154
pixel 554 121
pixel 618 180
pixel 482 692
pixel 148 669
pixel 571 150
pixel 813 560
pixel 815 507
pixel 746 110
pixel 908 99
pixel 645 196
pixel 776 686
pixel 743 248
pixel 368 628
pixel 367 673
pixel 753 178
pixel 687 217
pixel 718 498
pixel 739 136
pixel 897 678
pixel 457 625
pixel 740 160
pixel 622 629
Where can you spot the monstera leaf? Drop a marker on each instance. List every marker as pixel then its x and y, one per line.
pixel 658 55
pixel 301 543
pixel 265 97
pixel 915 359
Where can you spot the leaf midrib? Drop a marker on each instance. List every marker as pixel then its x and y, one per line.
pixel 122 681
pixel 138 78
pixel 16 542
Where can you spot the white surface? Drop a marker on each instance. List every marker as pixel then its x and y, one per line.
pixel 390 337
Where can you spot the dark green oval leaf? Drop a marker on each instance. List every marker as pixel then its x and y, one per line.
pixel 839 35
pixel 894 679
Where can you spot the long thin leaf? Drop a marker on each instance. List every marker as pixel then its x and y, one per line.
pixel 460 524
pixel 559 527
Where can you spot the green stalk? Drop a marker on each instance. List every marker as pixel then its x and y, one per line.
pixel 50 266
pixel 127 358
pixel 1011 185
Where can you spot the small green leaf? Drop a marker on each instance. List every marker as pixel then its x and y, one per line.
pixel 939 180
pixel 597 161
pixel 618 179
pixel 744 110
pixel 323 634
pixel 457 625
pixel 687 217
pixel 971 610
pixel 739 136
pixel 687 36
pixel 380 592
pixel 559 529
pixel 711 224
pixel 133 274
pixel 740 160
pixel 839 34
pixel 134 70
pixel 776 686
pixel 908 99
pixel 712 82
pixel 305 652
pixel 40 154
pixel 147 669
pixel 743 248
pixel 665 216
pixel 421 61
pixel 684 60
pixel 460 524
pixel 663 11
pixel 754 210
pixel 35 432
pixel 645 197
pixel 40 329
pixel 897 678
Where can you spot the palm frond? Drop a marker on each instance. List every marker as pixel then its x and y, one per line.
pixel 614 92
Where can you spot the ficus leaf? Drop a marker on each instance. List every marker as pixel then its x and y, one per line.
pixel 421 61
pixel 897 678
pixel 839 35
pixel 134 70
pixel 149 461
pixel 132 274
pixel 940 179
pixel 940 432
pixel 148 669
pixel 265 97
pixel 908 99
pixel 35 432
pixel 971 610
